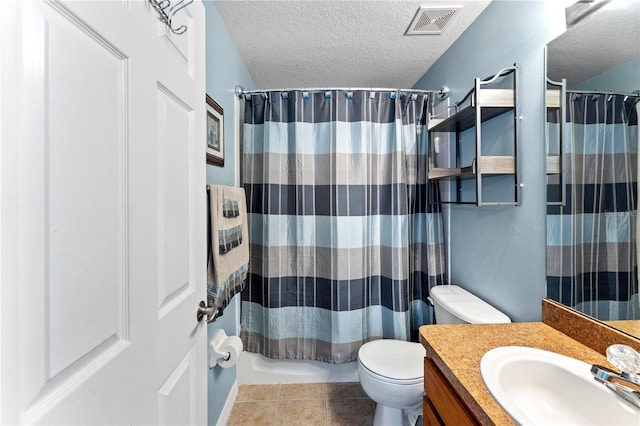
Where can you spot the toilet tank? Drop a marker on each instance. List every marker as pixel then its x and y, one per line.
pixel 455 305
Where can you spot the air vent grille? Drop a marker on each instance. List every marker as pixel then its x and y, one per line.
pixel 431 20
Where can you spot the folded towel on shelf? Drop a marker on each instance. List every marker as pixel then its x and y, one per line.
pixel 228 245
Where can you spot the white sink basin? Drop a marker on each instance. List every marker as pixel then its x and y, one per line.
pixel 538 387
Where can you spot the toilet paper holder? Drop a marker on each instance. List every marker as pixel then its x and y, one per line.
pixel 217 353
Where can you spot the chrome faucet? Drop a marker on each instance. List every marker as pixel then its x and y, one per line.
pixel 627 383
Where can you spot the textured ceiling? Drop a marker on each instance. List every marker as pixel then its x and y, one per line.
pixel 609 37
pixel 338 43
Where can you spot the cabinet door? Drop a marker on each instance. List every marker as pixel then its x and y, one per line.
pixel 429 415
pixel 446 402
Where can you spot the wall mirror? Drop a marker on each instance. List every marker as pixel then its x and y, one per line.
pixel 593 103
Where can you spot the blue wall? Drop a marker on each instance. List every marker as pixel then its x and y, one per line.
pixel 225 70
pixel 499 253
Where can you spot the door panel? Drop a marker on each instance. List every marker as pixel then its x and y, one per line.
pixel 175 397
pixel 85 201
pixel 180 46
pixel 174 148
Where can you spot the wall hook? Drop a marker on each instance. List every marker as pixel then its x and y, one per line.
pixel 166 12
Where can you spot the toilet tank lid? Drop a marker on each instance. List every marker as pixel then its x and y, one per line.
pixel 466 306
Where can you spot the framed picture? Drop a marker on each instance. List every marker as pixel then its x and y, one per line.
pixel 215 133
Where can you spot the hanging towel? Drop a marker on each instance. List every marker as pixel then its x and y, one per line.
pixel 228 245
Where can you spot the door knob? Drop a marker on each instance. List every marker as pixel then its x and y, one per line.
pixel 203 310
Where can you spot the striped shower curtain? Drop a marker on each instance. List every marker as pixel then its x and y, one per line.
pixel 591 237
pixel 345 242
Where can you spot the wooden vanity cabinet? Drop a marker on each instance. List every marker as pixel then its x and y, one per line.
pixel 441 404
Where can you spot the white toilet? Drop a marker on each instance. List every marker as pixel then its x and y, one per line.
pixel 391 371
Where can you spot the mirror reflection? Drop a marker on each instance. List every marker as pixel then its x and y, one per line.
pixel 593 103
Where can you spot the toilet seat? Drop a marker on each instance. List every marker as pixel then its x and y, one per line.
pixel 393 361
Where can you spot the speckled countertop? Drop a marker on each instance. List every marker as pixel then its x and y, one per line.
pixel 457 350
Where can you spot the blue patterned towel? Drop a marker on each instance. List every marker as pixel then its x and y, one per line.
pixel 228 254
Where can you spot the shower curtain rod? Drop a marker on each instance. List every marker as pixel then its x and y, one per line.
pixel 599 92
pixel 240 90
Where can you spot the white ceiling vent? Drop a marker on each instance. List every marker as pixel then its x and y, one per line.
pixel 431 20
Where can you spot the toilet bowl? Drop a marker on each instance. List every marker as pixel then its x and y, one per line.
pixel 391 371
pixel 391 374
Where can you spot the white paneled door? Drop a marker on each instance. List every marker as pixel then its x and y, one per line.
pixel 102 208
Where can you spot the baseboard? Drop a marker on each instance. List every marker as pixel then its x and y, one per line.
pixel 228 405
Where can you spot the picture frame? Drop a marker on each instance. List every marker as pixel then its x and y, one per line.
pixel 215 133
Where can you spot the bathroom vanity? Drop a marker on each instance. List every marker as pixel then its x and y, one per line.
pixel 455 391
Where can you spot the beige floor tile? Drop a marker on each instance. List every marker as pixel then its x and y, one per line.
pixel 303 391
pixel 302 404
pixel 259 413
pixel 345 390
pixel 302 412
pixel 350 412
pixel 258 393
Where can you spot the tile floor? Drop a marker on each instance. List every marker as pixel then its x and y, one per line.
pixel 302 404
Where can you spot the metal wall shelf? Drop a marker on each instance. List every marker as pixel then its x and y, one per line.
pixel 484 104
